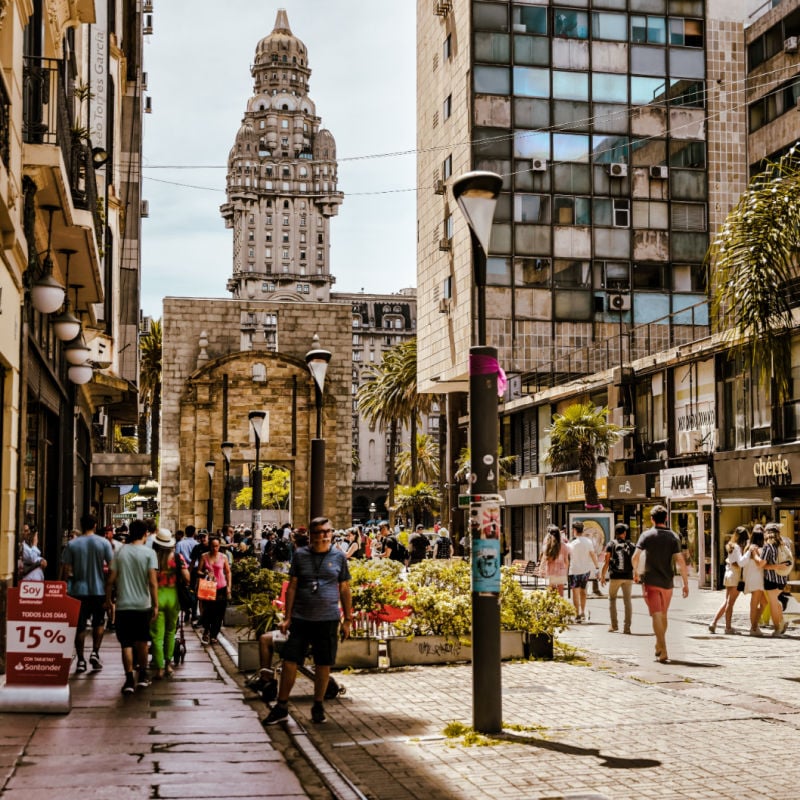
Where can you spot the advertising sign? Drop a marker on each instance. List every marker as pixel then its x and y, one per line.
pixel 40 633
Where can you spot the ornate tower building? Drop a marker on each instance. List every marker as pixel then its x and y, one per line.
pixel 281 181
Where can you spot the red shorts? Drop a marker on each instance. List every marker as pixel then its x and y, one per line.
pixel 657 599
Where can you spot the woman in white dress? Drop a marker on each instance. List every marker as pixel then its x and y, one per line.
pixel 732 580
pixel 753 574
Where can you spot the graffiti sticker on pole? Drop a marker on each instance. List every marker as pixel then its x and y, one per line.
pixel 485 523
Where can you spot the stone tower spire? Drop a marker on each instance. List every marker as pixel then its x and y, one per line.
pixel 281 181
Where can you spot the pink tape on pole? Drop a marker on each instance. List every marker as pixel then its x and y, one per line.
pixel 486 365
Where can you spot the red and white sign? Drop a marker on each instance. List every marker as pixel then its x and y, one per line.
pixel 40 633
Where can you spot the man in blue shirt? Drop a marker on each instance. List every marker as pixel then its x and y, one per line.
pixel 86 559
pixel 318 580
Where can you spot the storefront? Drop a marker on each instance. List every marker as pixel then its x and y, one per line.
pixel 626 496
pixel 759 485
pixel 687 491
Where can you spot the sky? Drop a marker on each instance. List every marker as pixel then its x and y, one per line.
pixel 362 55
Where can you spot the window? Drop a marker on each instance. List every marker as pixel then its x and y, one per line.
pixel 533 208
pixel 448 227
pixel 529 19
pixel 302 255
pixel 268 236
pixel 649 276
pixel 532 272
pixel 447 48
pixel 285 254
pixel 572 211
pixel 447 167
pixel 259 373
pixel 356 340
pixel 447 107
pixel 613 27
pixel 688 216
pixel 268 286
pixel 572 273
pixel 616 276
pixel 648 30
pixel 447 288
pixel 285 219
pixel 356 322
pixel 488 80
pixel 498 271
pixel 284 123
pixel 689 278
pixel 302 288
pixel 531 82
pixel 571 85
pixel 686 32
pixel 570 24
pixel 285 238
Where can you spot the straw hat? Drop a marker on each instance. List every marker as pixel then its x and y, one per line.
pixel 164 538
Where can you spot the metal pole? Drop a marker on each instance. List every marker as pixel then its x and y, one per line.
pixel 317 499
pixel 226 495
pixel 255 505
pixel 210 507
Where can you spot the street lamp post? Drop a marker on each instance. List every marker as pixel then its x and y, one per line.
pixel 317 361
pixel 257 419
pixel 227 452
pixel 476 195
pixel 372 511
pixel 210 467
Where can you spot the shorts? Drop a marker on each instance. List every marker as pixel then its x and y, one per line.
pixel 556 580
pixel 578 581
pixel 740 587
pixel 323 637
pixel 657 598
pixel 133 627
pixel 92 608
pixel 770 585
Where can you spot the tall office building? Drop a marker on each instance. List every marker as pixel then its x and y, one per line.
pixel 618 128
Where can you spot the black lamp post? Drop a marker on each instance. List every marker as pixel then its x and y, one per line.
pixel 210 467
pixel 257 419
pixel 227 452
pixel 476 194
pixel 317 361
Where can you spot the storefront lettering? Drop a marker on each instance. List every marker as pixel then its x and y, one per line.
pixel 682 483
pixel 697 420
pixel 772 472
pixel 625 488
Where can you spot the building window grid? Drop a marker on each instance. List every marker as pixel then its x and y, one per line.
pixel 678 32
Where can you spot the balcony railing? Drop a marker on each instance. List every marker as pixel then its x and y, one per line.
pixel 5 124
pixel 673 330
pixel 47 118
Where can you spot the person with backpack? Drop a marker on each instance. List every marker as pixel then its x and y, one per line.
pixel 618 565
pixel 393 548
pixel 443 548
pixel 419 545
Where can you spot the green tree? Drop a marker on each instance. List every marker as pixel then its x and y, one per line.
pixel 427 461
pixel 754 258
pixel 577 438
pixel 417 499
pixel 275 487
pixel 389 399
pixel 150 391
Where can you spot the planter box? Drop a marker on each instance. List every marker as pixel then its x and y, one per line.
pixel 426 650
pixel 248 655
pixel 357 653
pixel 234 617
pixel 539 645
pixel 443 650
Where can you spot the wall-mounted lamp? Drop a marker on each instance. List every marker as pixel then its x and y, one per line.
pixel 80 373
pixel 66 325
pixel 99 157
pixel 47 294
pixel 76 352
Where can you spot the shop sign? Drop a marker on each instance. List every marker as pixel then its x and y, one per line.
pixel 684 481
pixel 575 490
pixel 40 633
pixel 627 487
pixel 772 471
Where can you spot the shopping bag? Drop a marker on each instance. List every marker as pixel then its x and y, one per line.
pixel 206 589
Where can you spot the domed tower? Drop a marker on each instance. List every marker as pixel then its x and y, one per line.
pixel 281 181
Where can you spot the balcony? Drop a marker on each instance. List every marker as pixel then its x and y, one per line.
pixel 56 154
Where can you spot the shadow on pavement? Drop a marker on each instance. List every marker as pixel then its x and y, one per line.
pixel 612 762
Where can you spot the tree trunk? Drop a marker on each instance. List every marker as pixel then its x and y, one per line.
pixel 587 467
pixel 390 470
pixel 155 433
pixel 414 465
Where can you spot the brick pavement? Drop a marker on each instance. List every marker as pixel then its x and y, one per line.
pixel 188 737
pixel 616 725
pixel 612 725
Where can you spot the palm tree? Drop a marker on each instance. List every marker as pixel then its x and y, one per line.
pixel 754 256
pixel 415 499
pixel 427 461
pixel 150 388
pixel 389 399
pixel 578 437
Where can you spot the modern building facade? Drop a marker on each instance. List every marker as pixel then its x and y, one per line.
pixel 624 132
pixel 70 139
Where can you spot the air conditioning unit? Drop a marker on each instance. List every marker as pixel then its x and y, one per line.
pixel 619 302
pixel 444 244
pixel 444 305
pixel 144 209
pixel 438 187
pixel 539 165
pixel 618 170
pixel 790 44
pixel 659 172
pixel 442 7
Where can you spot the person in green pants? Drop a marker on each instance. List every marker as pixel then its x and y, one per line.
pixel 162 629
